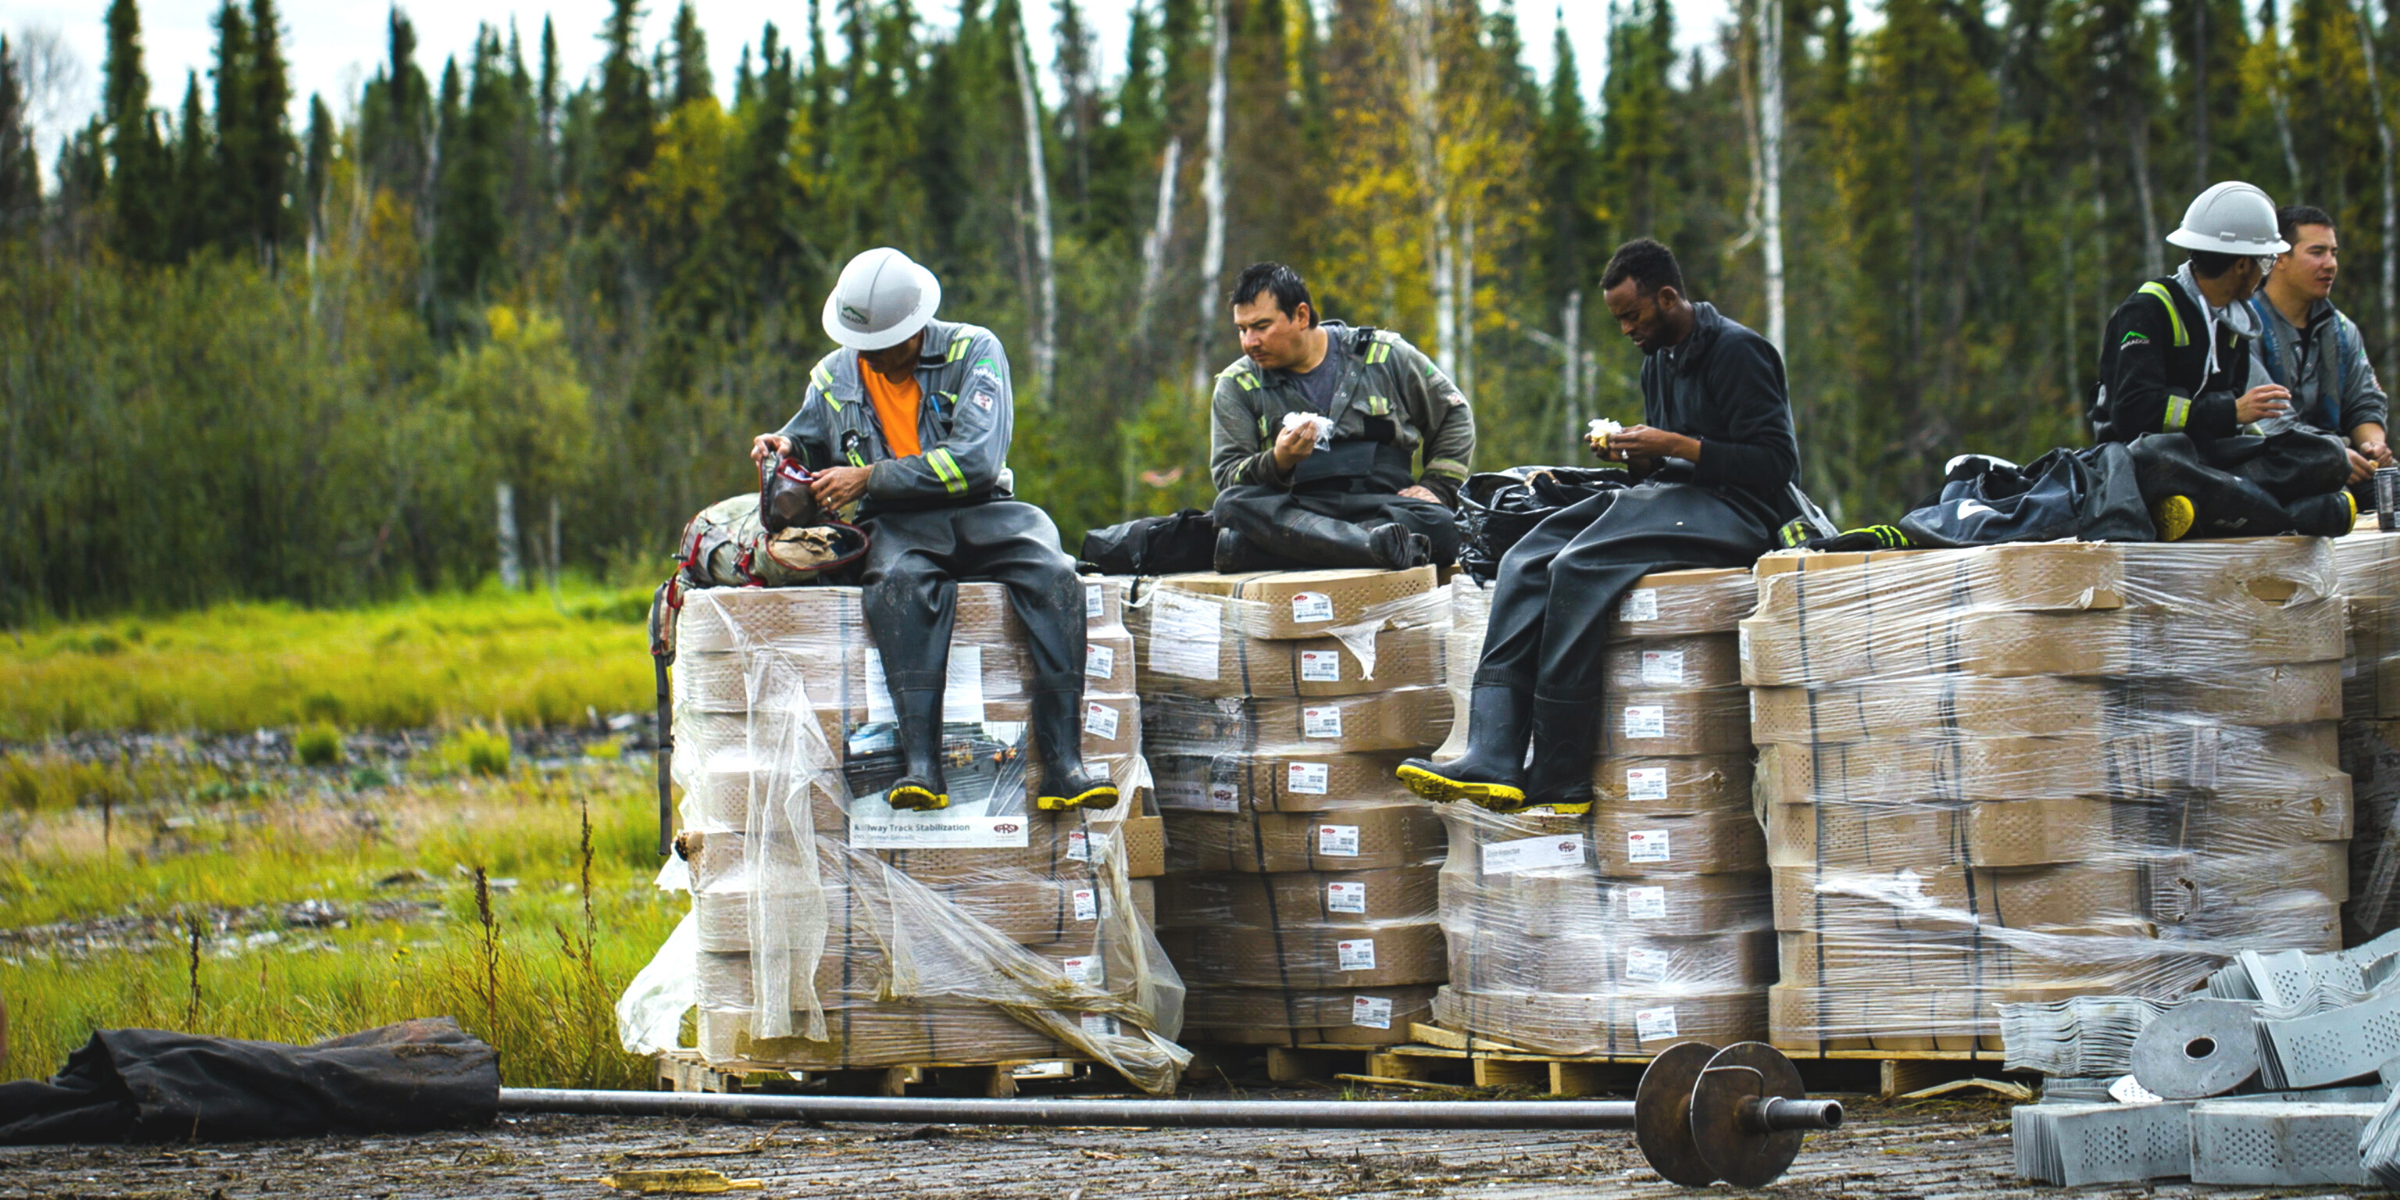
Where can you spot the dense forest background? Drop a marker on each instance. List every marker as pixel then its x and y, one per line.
pixel 479 316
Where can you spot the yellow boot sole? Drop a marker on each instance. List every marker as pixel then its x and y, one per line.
pixel 2173 516
pixel 1499 797
pixel 1103 796
pixel 916 799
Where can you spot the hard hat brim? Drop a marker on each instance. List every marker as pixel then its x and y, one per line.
pixel 2197 241
pixel 929 300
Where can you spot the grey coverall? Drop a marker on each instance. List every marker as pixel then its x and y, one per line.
pixel 1392 407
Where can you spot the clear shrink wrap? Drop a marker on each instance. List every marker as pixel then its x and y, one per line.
pixel 1646 921
pixel 830 930
pixel 2021 773
pixel 2370 744
pixel 1300 892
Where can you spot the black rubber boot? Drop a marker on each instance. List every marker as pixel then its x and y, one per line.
pixel 1057 728
pixel 921 785
pixel 2324 516
pixel 1235 555
pixel 1492 771
pixel 1561 775
pixel 1329 542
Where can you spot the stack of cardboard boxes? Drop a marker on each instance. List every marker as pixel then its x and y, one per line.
pixel 2024 772
pixel 1300 898
pixel 834 931
pixel 2370 746
pixel 1646 921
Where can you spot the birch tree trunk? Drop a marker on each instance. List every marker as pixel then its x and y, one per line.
pixel 1571 381
pixel 2154 259
pixel 1441 250
pixel 512 568
pixel 2391 213
pixel 1212 195
pixel 1045 320
pixel 1770 136
pixel 1162 228
pixel 1464 303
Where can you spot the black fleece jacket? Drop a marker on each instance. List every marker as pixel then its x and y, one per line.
pixel 1724 385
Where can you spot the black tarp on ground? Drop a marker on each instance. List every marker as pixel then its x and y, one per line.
pixel 152 1085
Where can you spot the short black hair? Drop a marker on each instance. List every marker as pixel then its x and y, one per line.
pixel 1647 262
pixel 2209 264
pixel 2291 217
pixel 1289 289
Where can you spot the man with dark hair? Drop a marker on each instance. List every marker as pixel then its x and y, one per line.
pixel 2311 347
pixel 1718 468
pixel 2175 357
pixel 1332 445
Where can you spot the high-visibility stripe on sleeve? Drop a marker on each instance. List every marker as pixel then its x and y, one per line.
pixel 2183 336
pixel 2179 411
pixel 958 349
pixel 947 467
pixel 1447 468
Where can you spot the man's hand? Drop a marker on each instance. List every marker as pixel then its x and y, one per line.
pixel 1638 442
pixel 768 445
pixel 2369 441
pixel 836 487
pixel 2263 402
pixel 1292 445
pixel 2362 468
pixel 1418 491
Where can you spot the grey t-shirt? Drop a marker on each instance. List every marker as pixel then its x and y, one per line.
pixel 1316 387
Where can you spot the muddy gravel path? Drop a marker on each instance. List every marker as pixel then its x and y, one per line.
pixel 1885 1152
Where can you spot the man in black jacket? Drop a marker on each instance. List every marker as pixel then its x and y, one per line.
pixel 1717 462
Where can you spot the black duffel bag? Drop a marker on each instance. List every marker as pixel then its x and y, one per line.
pixel 2090 495
pixel 1179 541
pixel 1498 508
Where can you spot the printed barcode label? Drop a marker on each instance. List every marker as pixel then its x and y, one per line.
pixel 1646 903
pixel 1374 1012
pixel 1643 965
pixel 1646 783
pixel 1308 779
pixel 1662 668
pixel 1653 1023
pixel 1100 721
pixel 1355 955
pixel 1337 841
pixel 1346 898
pixel 1079 846
pixel 1324 722
pixel 1311 606
pixel 1081 970
pixel 1087 904
pixel 1320 666
pixel 1742 639
pixel 1099 662
pixel 1640 604
pixel 1099 1025
pixel 1646 845
pixel 1094 605
pixel 1529 854
pixel 1645 721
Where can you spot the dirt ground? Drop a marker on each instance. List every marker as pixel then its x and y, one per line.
pixel 1935 1149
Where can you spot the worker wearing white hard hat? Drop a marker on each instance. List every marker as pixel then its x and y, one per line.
pixel 910 422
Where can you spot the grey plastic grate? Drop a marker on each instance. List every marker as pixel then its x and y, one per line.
pixel 2278 1145
pixel 2082 1036
pixel 2379 1144
pixel 2336 1046
pixel 2075 1144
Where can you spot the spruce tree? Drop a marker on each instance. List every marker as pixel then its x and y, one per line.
pixel 233 199
pixel 194 174
pixel 20 176
pixel 624 129
pixel 319 165
pixel 276 213
pixel 136 168
pixel 395 117
pixel 692 78
pixel 1567 169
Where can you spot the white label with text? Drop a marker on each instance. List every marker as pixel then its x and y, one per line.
pixel 1374 1012
pixel 1640 604
pixel 1646 845
pixel 1662 668
pixel 1099 662
pixel 1645 783
pixel 1645 721
pixel 1320 666
pixel 1646 903
pixel 1100 721
pixel 1357 954
pixel 1087 904
pixel 1308 779
pixel 1346 898
pixel 1337 841
pixel 1311 607
pixel 1532 854
pixel 1644 965
pixel 1095 606
pixel 1650 1024
pixel 1321 722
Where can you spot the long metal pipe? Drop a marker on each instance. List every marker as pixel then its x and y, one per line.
pixel 1189 1114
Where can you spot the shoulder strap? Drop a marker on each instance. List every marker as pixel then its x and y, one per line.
pixel 2266 333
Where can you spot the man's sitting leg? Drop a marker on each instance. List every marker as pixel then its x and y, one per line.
pixel 1264 528
pixel 1016 545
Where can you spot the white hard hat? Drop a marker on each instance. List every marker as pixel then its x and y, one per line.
pixel 882 299
pixel 2230 218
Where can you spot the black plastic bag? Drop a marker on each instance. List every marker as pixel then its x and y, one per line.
pixel 1180 541
pixel 2089 495
pixel 1498 508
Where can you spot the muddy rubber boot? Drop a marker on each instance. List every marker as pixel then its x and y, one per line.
pixel 2330 515
pixel 1492 771
pixel 1563 736
pixel 918 714
pixel 1057 729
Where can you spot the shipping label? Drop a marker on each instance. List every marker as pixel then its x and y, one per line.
pixel 1099 662
pixel 1311 607
pixel 935 831
pixel 1640 604
pixel 1337 841
pixel 1320 666
pixel 1101 1025
pixel 1644 965
pixel 1650 1024
pixel 1323 721
pixel 1307 778
pixel 1645 783
pixel 1186 636
pixel 1087 904
pixel 1646 903
pixel 1533 854
pixel 1083 970
pixel 1356 954
pixel 1100 721
pixel 1646 846
pixel 1095 606
pixel 1346 898
pixel 1645 721
pixel 1373 1012
pixel 1662 668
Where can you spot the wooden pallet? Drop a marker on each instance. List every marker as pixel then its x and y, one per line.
pixel 1450 1057
pixel 684 1071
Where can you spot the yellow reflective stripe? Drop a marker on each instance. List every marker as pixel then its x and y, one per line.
pixel 823 377
pixel 1448 468
pixel 1377 353
pixel 958 350
pixel 1377 406
pixel 1264 425
pixel 947 467
pixel 1249 382
pixel 857 459
pixel 2179 410
pixel 2183 336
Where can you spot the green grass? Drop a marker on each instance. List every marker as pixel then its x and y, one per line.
pixel 514 659
pixel 538 980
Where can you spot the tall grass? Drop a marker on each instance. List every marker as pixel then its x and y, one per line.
pixel 518 659
pixel 534 896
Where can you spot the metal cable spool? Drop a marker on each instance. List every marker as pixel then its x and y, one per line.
pixel 1700 1114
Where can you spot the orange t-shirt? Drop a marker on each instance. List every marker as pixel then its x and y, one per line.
pixel 895 408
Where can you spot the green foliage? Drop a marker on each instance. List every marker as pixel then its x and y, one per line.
pixel 319 745
pixel 474 751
